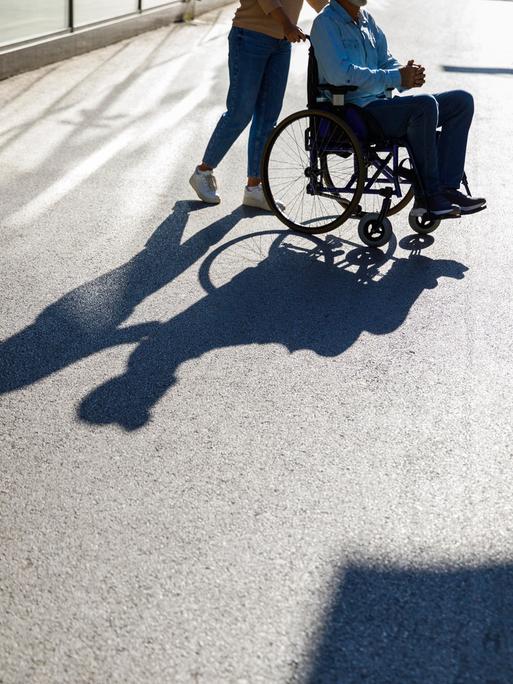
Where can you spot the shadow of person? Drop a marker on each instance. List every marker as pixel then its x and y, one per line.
pixel 88 319
pixel 435 626
pixel 289 299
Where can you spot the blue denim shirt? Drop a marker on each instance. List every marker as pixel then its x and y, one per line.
pixel 353 53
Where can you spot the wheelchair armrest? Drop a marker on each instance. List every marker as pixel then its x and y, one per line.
pixel 337 90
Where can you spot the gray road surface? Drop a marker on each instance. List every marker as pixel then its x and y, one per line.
pixel 233 455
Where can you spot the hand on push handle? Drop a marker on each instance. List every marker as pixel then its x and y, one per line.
pixel 292 32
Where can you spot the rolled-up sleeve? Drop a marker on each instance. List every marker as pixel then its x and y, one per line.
pixel 336 64
pixel 269 5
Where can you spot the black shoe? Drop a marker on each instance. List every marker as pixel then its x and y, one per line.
pixel 468 204
pixel 437 206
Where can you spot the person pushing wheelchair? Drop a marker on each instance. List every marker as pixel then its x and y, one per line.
pixel 352 50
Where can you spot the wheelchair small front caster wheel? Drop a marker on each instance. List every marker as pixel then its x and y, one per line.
pixel 373 232
pixel 423 225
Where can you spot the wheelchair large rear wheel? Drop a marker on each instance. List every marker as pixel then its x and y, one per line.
pixel 292 172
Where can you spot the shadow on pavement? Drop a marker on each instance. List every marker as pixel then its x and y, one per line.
pixel 300 298
pixel 431 627
pixel 477 70
pixel 89 318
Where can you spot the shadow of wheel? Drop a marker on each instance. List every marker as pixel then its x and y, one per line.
pixel 248 251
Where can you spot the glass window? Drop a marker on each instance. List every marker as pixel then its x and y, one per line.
pixel 89 11
pixel 24 19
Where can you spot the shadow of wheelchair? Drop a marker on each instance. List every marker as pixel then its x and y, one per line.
pixel 271 287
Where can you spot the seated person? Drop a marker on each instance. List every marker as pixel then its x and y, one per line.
pixel 352 50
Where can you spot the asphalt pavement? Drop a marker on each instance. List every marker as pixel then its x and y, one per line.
pixel 229 453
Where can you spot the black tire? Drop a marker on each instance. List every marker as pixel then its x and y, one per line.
pixel 291 170
pixel 423 226
pixel 373 232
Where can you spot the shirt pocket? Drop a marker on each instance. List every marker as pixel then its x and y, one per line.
pixel 351 44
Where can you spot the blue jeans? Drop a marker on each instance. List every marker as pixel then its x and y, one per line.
pixel 439 164
pixel 259 68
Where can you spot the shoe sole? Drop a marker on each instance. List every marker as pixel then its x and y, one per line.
pixel 430 216
pixel 255 205
pixel 433 215
pixel 474 209
pixel 443 217
pixel 445 214
pixel 202 197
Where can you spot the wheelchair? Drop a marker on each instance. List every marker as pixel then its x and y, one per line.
pixel 330 162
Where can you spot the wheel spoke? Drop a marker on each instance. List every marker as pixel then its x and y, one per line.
pixel 296 171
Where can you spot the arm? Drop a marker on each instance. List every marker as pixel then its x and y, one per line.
pixel 317 4
pixel 387 61
pixel 268 6
pixel 274 7
pixel 337 66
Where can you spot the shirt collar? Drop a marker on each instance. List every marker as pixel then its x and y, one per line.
pixel 344 15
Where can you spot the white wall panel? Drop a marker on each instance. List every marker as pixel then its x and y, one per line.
pixel 24 19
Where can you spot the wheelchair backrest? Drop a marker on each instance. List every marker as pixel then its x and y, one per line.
pixel 363 124
pixel 312 82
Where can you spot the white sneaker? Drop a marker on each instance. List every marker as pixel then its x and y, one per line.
pixel 254 197
pixel 205 184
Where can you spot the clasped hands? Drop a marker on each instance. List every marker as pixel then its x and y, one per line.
pixel 412 75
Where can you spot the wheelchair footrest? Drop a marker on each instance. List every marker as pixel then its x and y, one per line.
pixel 428 216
